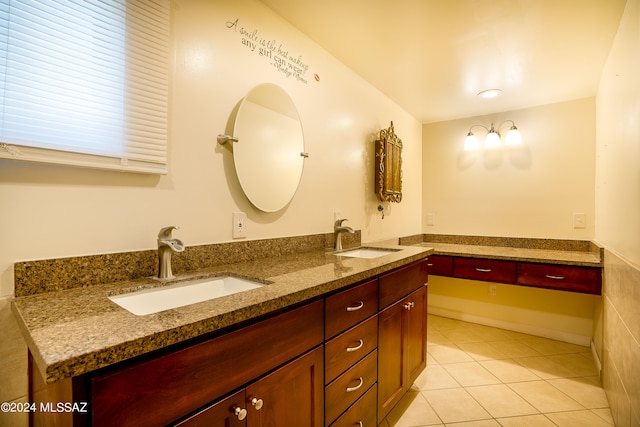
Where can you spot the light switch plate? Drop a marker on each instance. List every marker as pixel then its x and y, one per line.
pixel 579 220
pixel 431 218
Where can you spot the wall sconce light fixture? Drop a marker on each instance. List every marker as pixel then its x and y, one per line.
pixel 492 140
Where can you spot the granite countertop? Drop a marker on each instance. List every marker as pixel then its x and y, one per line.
pixel 550 256
pixel 74 331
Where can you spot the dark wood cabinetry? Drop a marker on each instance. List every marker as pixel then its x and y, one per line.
pixel 489 270
pixel 561 277
pixel 440 265
pixel 342 360
pixel 540 275
pixel 402 333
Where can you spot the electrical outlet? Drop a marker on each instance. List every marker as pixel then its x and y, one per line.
pixel 239 225
pixel 493 290
pixel 579 220
pixel 431 218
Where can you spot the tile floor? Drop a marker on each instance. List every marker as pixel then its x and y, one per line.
pixel 482 376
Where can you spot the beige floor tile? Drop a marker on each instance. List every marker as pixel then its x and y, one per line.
pixel 482 351
pixel 545 397
pixel 515 349
pixel 577 419
pixel 437 337
pixel 413 410
pixel 455 405
pixel 527 421
pixel 470 374
pixel 500 401
pixel 578 363
pixel 435 378
pixel 479 423
pixel 587 391
pixel 509 371
pixel 489 333
pixel 462 335
pixel 548 346
pixel 448 354
pixel 480 376
pixel 545 367
pixel 605 414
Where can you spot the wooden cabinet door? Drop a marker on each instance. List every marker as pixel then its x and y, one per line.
pixel 402 348
pixel 291 396
pixel 225 413
pixel 390 361
pixel 416 334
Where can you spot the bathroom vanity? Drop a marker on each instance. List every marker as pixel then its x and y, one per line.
pixel 334 342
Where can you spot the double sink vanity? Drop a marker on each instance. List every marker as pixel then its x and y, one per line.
pixel 314 338
pixel 304 336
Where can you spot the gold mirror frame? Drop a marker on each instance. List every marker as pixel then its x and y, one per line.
pixel 389 166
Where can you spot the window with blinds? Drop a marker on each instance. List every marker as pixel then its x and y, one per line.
pixel 85 82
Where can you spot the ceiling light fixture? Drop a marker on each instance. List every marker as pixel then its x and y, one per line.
pixel 489 93
pixel 492 140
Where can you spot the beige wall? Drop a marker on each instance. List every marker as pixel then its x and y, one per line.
pixel 50 212
pixel 618 218
pixel 531 191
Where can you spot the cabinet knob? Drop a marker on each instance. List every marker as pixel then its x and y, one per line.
pixel 240 413
pixel 256 403
pixel 356 307
pixel 409 305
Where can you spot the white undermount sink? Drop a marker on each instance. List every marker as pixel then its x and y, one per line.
pixel 366 252
pixel 148 301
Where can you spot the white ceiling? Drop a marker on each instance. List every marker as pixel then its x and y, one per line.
pixel 432 57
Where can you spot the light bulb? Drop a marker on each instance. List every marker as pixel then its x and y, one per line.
pixel 471 143
pixel 513 137
pixel 492 140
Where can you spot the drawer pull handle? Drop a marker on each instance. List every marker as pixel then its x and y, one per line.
pixel 357 307
pixel 240 413
pixel 483 270
pixel 429 265
pixel 350 389
pixel 257 403
pixel 550 276
pixel 356 348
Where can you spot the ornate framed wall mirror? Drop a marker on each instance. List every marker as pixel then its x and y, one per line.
pixel 388 166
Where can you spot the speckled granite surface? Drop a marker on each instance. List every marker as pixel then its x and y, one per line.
pixel 77 330
pixel 551 251
pixel 33 277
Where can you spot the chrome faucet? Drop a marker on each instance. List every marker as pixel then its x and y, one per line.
pixel 338 229
pixel 166 245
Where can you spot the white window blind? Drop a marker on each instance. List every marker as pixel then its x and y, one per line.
pixel 85 82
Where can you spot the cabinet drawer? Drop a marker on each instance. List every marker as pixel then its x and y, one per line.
pixel 362 413
pixel 400 283
pixel 349 307
pixel 440 265
pixel 349 347
pixel 561 277
pixel 348 387
pixel 489 270
pixel 163 389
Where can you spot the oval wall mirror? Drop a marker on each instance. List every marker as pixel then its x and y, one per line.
pixel 269 155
